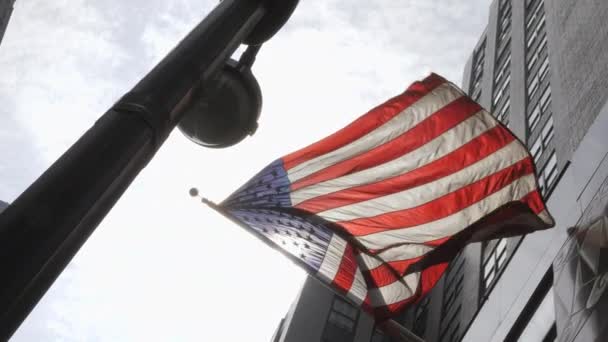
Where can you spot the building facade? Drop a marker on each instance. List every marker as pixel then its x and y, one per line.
pixel 541 67
pixel 6 8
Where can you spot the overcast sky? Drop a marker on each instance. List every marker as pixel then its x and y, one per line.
pixel 161 266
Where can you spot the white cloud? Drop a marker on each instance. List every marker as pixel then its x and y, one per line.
pixel 161 266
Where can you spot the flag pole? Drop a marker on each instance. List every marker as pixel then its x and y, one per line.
pixel 390 327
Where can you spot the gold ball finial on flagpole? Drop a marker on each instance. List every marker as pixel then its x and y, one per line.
pixel 193 192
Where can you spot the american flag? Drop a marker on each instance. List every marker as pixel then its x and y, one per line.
pixel 378 209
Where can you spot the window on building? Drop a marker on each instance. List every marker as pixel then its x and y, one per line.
pixel 536 54
pixel 534 15
pixel 532 87
pixel 542 44
pixel 494 262
pixel 548 175
pixel 547 132
pixel 420 317
pixel 536 321
pixel 532 61
pixel 341 322
pixel 451 306
pixel 545 99
pixel 451 330
pixel 542 325
pixel 503 114
pixel 504 68
pixel 528 2
pixel 478 61
pixel 536 150
pixel 534 118
pixel 502 89
pixel 537 31
pixel 544 69
pixel 550 170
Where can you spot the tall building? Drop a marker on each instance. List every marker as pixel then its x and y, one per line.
pixel 6 8
pixel 541 68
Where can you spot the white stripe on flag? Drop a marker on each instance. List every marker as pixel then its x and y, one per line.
pixel 454 223
pixel 395 292
pixel 425 193
pixel 333 257
pixel 402 122
pixel 435 149
pixel 404 252
pixel 358 290
pixel 368 262
pixel 401 252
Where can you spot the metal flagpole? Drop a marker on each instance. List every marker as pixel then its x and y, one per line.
pixel 48 223
pixel 390 327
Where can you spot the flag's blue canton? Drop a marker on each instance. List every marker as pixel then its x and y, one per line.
pixel 263 204
pixel 303 239
pixel 269 188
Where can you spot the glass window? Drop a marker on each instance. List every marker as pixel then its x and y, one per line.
pixel 534 118
pixel 503 69
pixel 541 185
pixel 534 15
pixel 540 325
pixel 550 170
pixel 547 132
pixel 532 87
pixel 477 95
pixel 548 175
pixel 536 32
pixel 544 68
pixel 501 252
pixel 494 262
pixel 341 321
pixel 545 99
pixel 532 61
pixel 531 39
pixel 502 89
pixel 542 44
pixel 536 150
pixel 504 111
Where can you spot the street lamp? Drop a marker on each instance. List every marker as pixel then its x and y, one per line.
pixel 227 113
pixel 47 224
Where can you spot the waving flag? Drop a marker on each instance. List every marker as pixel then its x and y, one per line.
pixel 377 209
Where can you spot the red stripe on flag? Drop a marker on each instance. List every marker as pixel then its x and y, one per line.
pixel 365 124
pixel 471 152
pixel 346 272
pixel 429 278
pixel 442 206
pixel 387 273
pixel 535 201
pixel 430 128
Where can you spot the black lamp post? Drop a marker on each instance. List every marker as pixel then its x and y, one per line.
pixel 216 102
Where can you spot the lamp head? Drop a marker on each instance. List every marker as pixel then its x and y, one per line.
pixel 227 113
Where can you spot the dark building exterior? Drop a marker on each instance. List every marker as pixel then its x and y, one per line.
pixel 6 8
pixel 541 67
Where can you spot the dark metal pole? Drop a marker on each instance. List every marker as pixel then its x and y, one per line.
pixel 42 229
